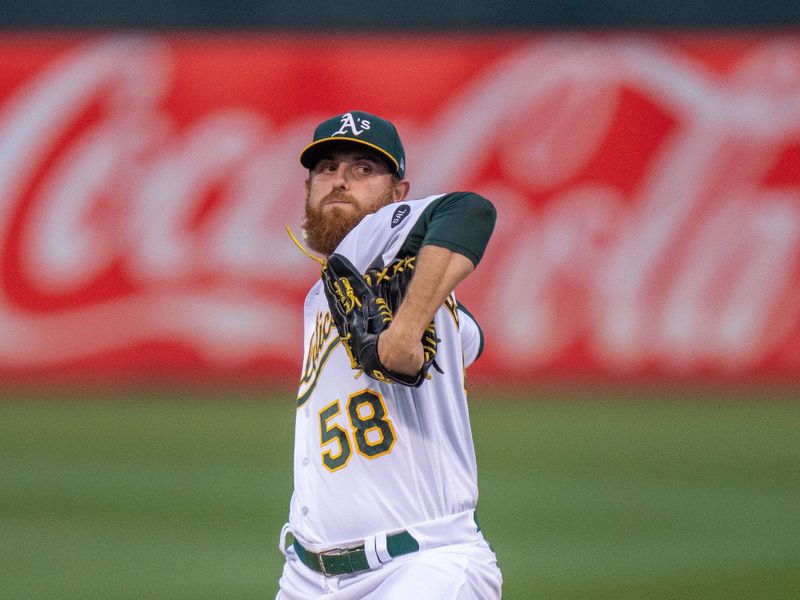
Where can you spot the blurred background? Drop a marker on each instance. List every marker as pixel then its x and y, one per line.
pixel 635 411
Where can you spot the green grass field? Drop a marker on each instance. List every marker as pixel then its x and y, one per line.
pixel 617 495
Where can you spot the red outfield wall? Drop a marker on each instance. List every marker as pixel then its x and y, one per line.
pixel 648 191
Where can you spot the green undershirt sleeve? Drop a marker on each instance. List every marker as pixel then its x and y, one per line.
pixel 462 222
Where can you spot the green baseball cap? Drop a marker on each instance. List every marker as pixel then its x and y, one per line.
pixel 361 128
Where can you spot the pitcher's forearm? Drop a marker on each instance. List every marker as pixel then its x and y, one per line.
pixel 437 273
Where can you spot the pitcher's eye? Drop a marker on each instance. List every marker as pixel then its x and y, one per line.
pixel 326 166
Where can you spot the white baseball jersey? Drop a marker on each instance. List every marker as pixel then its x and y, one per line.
pixel 370 456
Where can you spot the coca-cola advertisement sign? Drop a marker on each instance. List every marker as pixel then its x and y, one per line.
pixel 647 188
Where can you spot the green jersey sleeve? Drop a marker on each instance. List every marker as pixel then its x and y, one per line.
pixel 461 221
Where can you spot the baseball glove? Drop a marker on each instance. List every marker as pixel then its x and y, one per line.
pixel 362 306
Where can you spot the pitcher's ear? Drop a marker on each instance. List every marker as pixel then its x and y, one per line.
pixel 401 189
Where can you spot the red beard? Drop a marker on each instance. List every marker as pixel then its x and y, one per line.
pixel 324 232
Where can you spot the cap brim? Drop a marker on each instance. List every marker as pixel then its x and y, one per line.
pixel 308 157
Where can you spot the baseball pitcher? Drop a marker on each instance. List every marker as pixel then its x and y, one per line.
pixel 385 478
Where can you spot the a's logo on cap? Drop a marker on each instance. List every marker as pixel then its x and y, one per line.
pixel 352 123
pixel 400 213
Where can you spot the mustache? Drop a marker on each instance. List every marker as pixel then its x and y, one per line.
pixel 337 197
